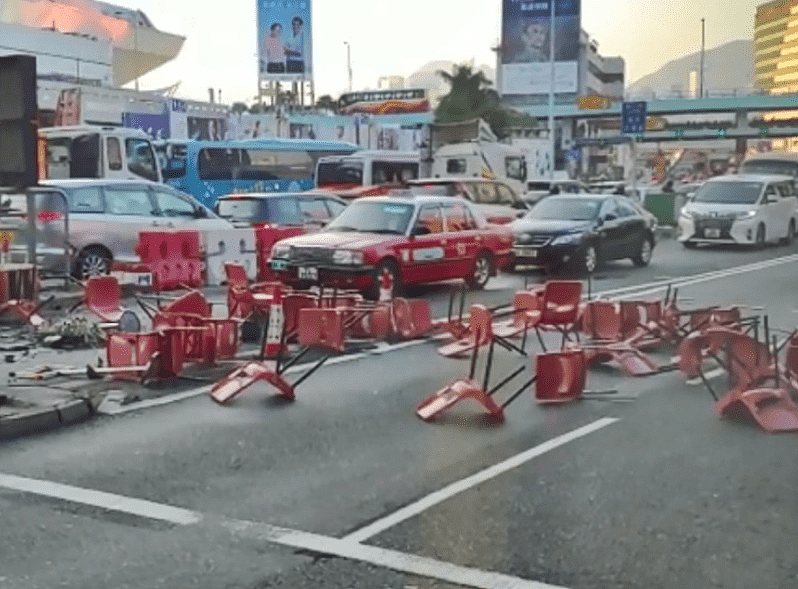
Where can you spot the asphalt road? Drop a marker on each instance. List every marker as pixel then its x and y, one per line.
pixel 347 488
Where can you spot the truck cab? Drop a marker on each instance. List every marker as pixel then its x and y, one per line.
pixel 476 159
pixel 94 152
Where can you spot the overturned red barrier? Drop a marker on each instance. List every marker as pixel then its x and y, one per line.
pixel 411 318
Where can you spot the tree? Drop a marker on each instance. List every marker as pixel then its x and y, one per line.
pixel 327 102
pixel 238 107
pixel 471 97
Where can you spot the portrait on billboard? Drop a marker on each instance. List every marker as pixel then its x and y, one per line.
pixel 526 46
pixel 203 129
pixel 284 40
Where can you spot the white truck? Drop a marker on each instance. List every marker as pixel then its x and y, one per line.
pixel 470 149
pixel 97 152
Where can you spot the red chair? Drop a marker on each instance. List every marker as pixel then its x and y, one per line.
pixel 411 319
pixel 527 306
pixel 603 321
pixel 102 295
pixel 559 310
pixel 480 334
pixel 561 376
pixel 243 298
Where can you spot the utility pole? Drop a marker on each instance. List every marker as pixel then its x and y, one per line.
pixel 701 75
pixel 349 62
pixel 552 134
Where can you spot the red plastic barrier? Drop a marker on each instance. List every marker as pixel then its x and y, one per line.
pixel 175 259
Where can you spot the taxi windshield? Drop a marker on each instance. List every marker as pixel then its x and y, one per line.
pixel 374 217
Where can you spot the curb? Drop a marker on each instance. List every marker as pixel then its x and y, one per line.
pixel 29 422
pixel 74 411
pixel 45 419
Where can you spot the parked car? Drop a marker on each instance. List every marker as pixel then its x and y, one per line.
pixel 309 210
pixel 106 216
pixel 580 231
pixel 742 208
pixel 497 202
pixel 396 241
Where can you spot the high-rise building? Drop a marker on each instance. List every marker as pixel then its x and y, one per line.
pixel 776 36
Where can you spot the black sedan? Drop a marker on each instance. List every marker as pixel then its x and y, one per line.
pixel 580 231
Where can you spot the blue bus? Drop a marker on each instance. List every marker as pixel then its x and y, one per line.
pixel 210 169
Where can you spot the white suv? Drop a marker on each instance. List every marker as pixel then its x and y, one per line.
pixel 745 208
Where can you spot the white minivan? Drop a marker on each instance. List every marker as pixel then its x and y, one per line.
pixel 743 208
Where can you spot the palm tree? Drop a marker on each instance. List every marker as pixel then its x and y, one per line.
pixel 471 97
pixel 327 102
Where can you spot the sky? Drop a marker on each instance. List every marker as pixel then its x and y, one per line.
pixel 397 38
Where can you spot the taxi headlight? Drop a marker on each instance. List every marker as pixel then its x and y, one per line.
pixel 746 215
pixel 281 252
pixel 347 258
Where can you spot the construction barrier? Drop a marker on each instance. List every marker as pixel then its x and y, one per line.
pixel 236 246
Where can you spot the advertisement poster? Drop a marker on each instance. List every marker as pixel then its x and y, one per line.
pixel 285 51
pixel 67 111
pixel 156 126
pixel 526 42
pixel 207 128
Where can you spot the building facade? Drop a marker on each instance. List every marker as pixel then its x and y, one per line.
pixel 776 37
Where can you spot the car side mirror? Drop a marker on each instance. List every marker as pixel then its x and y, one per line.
pixel 200 213
pixel 609 217
pixel 420 230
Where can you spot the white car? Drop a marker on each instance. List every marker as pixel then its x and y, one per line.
pixel 106 216
pixel 745 208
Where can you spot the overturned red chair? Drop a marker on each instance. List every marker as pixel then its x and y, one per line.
pixel 243 298
pixel 480 334
pixel 318 329
pixel 102 295
pixel 603 322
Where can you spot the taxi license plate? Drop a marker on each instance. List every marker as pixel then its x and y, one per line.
pixel 528 252
pixel 712 233
pixel 308 273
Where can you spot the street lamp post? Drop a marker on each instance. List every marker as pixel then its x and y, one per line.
pixel 701 75
pixel 136 47
pixel 349 62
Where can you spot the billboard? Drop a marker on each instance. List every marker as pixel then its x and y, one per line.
pixel 285 51
pixel 157 126
pixel 526 46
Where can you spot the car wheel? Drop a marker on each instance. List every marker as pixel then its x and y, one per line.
pixel 386 278
pixel 760 236
pixel 589 260
pixel 92 261
pixel 791 233
pixel 483 269
pixel 643 256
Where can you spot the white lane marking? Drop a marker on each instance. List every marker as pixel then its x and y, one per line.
pixel 398 561
pixel 625 292
pixel 708 375
pixel 107 501
pixel 390 559
pixel 491 472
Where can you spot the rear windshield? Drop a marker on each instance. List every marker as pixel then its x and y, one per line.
pixel 433 190
pixel 277 211
pixel 779 167
pixel 335 173
pixel 740 193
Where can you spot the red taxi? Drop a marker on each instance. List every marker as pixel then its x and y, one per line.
pixel 396 241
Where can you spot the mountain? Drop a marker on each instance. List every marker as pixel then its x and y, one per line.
pixel 727 68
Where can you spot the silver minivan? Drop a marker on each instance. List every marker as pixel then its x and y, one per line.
pixel 106 216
